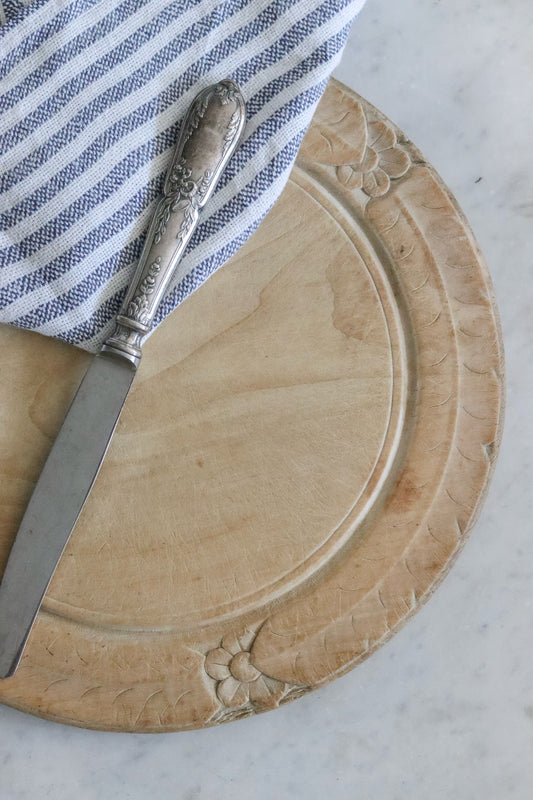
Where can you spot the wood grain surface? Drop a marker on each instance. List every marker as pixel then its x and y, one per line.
pixel 305 448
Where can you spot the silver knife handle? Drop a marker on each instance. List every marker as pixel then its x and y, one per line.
pixel 209 136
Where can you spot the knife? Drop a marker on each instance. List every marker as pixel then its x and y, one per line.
pixel 209 136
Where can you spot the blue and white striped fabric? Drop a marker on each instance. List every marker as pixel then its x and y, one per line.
pixel 91 93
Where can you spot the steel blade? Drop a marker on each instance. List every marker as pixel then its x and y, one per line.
pixel 58 499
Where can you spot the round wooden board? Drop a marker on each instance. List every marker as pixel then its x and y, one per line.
pixel 306 446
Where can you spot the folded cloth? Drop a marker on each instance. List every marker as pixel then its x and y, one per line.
pixel 91 95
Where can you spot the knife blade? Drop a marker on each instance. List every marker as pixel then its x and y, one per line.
pixel 209 135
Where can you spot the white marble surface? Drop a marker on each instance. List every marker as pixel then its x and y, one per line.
pixel 445 710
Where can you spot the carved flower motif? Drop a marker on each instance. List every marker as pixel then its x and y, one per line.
pixel 382 160
pixel 239 681
pixel 365 155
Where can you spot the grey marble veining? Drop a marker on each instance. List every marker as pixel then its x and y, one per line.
pixel 445 710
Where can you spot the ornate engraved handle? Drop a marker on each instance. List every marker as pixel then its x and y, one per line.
pixel 209 136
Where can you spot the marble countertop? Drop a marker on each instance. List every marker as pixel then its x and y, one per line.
pixel 446 708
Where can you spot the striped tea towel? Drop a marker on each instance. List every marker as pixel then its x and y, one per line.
pixel 91 94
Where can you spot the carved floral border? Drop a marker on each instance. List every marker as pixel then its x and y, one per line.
pixel 362 152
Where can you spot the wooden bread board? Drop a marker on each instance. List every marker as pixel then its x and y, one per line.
pixel 305 448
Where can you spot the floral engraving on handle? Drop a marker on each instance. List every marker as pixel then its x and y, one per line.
pixel 184 195
pixel 138 305
pixel 226 92
pixel 240 684
pixel 230 134
pixel 197 114
pixel 365 154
